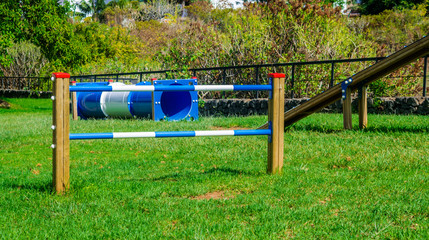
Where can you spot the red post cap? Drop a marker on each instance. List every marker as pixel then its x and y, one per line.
pixel 73 82
pixel 154 79
pixel 110 80
pixel 193 77
pixel 276 75
pixel 61 75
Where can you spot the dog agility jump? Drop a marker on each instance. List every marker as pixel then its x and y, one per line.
pixel 61 120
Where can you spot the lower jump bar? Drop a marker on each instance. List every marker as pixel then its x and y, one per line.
pixel 77 136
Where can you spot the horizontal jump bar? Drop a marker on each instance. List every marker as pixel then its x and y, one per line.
pixel 77 136
pixel 153 88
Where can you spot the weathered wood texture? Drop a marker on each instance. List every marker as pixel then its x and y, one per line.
pixel 61 145
pixel 347 110
pixel 363 107
pixel 275 112
pixel 364 77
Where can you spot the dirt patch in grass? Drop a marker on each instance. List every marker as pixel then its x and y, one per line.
pixel 229 128
pixel 4 104
pixel 214 195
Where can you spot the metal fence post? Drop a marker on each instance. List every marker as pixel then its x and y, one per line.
pixel 425 68
pixel 224 81
pixel 257 80
pixel 292 82
pixel 332 74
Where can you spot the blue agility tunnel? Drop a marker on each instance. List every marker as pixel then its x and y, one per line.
pixel 88 103
pixel 175 105
pixel 159 105
pixel 140 103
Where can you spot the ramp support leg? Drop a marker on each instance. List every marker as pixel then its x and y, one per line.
pixel 363 107
pixel 347 104
pixel 276 123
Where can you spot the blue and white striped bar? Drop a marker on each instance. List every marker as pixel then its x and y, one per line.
pixel 78 136
pixel 167 88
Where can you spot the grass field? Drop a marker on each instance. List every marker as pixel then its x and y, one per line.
pixel 335 184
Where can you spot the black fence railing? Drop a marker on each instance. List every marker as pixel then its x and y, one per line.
pixel 26 83
pixel 304 79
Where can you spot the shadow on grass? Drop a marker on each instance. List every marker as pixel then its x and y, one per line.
pixel 44 187
pixel 384 129
pixel 399 129
pixel 174 177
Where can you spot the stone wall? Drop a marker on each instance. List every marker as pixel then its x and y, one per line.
pixel 239 107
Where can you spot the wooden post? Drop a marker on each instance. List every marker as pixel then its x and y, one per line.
pixel 74 103
pixel 275 113
pixel 60 127
pixel 363 107
pixel 347 109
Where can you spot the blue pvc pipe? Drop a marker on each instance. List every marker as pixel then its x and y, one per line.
pixel 252 87
pixel 90 88
pixel 252 132
pixel 77 136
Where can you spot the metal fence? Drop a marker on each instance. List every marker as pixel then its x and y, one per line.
pixel 304 79
pixel 26 83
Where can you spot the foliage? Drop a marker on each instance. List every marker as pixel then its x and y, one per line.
pixel 44 23
pixel 156 10
pixel 26 60
pixel 378 6
pixel 112 46
pixel 388 32
pixel 130 35
pixel 276 32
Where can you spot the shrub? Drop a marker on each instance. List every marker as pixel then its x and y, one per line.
pixel 26 60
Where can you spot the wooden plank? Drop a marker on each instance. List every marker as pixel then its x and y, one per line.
pixel 363 107
pixel 347 110
pixel 380 69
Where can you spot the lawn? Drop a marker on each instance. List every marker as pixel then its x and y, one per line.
pixel 335 184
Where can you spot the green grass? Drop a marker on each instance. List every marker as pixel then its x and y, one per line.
pixel 335 184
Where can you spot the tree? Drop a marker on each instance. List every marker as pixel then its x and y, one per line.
pixel 370 7
pixel 27 60
pixel 45 24
pixel 92 7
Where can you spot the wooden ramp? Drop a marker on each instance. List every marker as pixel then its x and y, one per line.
pixel 361 79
